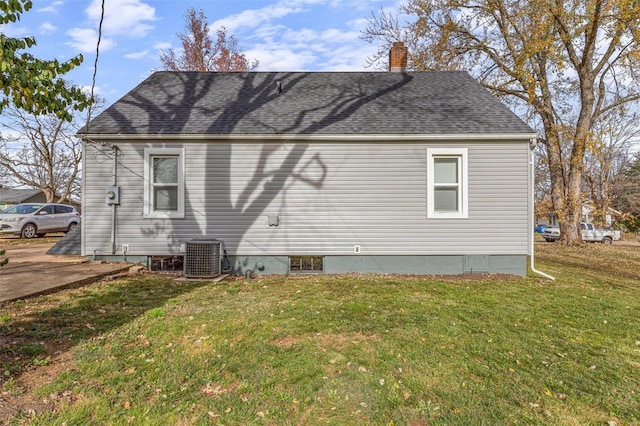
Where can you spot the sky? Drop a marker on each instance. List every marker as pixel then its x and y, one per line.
pixel 283 35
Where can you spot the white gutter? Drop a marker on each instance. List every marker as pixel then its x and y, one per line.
pixel 531 210
pixel 311 137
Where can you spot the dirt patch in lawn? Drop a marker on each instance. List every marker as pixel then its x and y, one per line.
pixel 336 342
pixel 11 240
pixel 17 401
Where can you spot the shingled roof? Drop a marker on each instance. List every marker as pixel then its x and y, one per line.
pixel 16 196
pixel 307 103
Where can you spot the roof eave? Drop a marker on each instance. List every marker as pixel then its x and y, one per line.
pixel 312 137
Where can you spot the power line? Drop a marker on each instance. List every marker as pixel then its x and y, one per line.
pixel 95 67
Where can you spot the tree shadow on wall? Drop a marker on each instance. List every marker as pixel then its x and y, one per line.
pixel 242 103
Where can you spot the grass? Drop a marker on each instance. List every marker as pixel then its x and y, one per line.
pixel 352 349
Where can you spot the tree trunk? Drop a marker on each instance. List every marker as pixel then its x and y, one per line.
pixel 571 231
pixel 565 185
pixel 49 194
pixel 570 226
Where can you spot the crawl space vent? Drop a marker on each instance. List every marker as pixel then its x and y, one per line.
pixel 202 258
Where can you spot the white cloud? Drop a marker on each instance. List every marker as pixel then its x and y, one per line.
pixel 346 58
pixel 137 55
pixel 52 8
pixel 254 18
pixel 273 34
pixel 163 45
pixel 86 89
pixel 126 18
pixel 47 28
pixel 266 34
pixel 123 17
pixel 305 35
pixel 316 55
pixel 14 30
pixel 358 24
pixel 328 50
pixel 281 58
pixel 86 39
pixel 336 36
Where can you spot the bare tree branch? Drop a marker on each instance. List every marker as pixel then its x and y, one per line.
pixel 41 152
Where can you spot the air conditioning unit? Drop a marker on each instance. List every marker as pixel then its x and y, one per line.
pixel 202 258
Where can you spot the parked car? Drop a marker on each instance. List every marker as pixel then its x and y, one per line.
pixel 589 234
pixel 36 219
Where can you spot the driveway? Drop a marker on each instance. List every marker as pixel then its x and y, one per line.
pixel 31 272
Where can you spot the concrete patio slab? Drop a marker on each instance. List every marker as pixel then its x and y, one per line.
pixel 31 272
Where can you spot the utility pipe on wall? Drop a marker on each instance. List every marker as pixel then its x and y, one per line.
pixel 113 206
pixel 532 201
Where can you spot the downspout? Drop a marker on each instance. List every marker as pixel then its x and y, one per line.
pixel 532 145
pixel 113 206
pixel 83 196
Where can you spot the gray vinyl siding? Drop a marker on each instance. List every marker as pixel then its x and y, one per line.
pixel 329 197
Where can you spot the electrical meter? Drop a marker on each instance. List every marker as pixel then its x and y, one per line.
pixel 112 195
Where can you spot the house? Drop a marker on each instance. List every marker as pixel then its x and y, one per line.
pixel 590 213
pixel 12 196
pixel 333 172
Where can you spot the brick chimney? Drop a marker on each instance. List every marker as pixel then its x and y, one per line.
pixel 398 57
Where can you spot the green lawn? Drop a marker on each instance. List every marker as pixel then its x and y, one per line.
pixel 338 350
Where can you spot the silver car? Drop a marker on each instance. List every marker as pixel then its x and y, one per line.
pixel 36 219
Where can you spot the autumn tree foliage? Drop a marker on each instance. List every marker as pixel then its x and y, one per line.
pixel 628 194
pixel 31 84
pixel 199 51
pixel 567 63
pixel 607 159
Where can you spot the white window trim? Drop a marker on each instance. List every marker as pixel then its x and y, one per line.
pixel 148 182
pixel 463 175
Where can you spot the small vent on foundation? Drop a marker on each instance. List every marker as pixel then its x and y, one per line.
pixel 167 263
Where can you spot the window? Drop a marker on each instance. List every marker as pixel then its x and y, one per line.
pixel 164 188
pixel 64 209
pixel 447 189
pixel 47 210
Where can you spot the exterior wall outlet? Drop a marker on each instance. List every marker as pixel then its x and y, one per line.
pixel 125 248
pixel 356 249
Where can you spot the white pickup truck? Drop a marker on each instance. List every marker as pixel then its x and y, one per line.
pixel 589 234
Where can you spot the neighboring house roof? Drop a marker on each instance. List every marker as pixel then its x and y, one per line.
pixel 69 244
pixel 308 103
pixel 16 196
